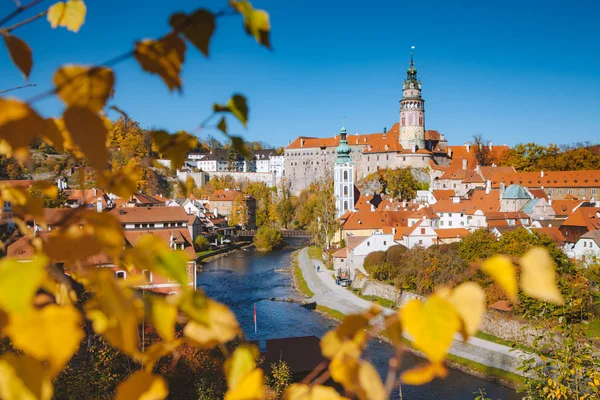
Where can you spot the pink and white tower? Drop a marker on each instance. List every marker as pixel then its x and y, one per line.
pixel 412 111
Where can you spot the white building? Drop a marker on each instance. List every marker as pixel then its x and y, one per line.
pixel 420 234
pixel 587 248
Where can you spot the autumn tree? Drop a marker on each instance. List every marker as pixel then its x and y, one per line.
pixel 285 211
pixel 483 154
pixel 239 213
pixel 264 199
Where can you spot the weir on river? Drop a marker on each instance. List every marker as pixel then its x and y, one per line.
pixel 245 278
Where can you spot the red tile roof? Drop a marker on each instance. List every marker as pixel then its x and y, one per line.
pixel 132 215
pixel 226 195
pixel 452 233
pixel 553 232
pixel 443 194
pixel 564 208
pixel 588 217
pixel 551 179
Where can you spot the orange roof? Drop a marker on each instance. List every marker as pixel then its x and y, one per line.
pixel 366 220
pixel 461 151
pixel 501 305
pixel 488 171
pixel 456 171
pixel 553 232
pixel 129 215
pixel 341 253
pixel 226 195
pixel 452 233
pixel 180 237
pixel 443 206
pixel 551 179
pixel 485 202
pixel 588 217
pixel 564 208
pixel 443 194
pixel 86 196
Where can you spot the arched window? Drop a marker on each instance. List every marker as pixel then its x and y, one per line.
pixel 345 205
pixel 345 175
pixel 345 190
pixel 121 274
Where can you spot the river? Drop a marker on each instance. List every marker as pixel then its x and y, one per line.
pixel 247 277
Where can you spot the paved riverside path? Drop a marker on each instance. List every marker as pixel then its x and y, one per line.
pixel 328 294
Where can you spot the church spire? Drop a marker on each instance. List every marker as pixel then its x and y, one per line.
pixel 343 150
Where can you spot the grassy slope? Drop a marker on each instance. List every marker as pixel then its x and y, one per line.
pixel 299 278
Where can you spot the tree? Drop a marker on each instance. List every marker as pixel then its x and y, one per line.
pixel 263 195
pixel 399 182
pixel 232 159
pixel 285 212
pixel 49 201
pixel 483 155
pixel 239 212
pixel 201 243
pixel 267 238
pixel 280 379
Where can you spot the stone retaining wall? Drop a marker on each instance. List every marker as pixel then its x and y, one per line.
pixel 495 323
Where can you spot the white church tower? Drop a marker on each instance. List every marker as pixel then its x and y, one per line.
pixel 343 177
pixel 412 111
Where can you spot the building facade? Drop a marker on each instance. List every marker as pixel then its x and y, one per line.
pixel 406 144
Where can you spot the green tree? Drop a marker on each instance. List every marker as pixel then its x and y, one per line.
pixel 285 212
pixel 201 243
pixel 267 238
pixel 280 379
pixel 263 195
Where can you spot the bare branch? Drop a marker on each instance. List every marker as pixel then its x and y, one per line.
pixel 17 88
pixel 18 11
pixel 25 22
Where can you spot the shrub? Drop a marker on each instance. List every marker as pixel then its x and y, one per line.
pixel 373 260
pixel 201 243
pixel 395 254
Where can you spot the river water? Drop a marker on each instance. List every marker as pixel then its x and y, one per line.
pixel 244 278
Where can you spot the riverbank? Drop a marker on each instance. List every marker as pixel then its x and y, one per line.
pixel 213 255
pixel 487 360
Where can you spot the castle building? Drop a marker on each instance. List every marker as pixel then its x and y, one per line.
pixel 343 177
pixel 406 144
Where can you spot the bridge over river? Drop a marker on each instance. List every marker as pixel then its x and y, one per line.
pixel 284 233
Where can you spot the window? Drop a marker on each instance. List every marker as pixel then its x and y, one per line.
pixel 345 205
pixel 570 191
pixel 121 274
pixel 422 231
pixel 593 191
pixel 420 241
pixel 550 191
pixel 584 243
pixel 345 190
pixel 148 275
pixel 345 175
pixel 581 191
pixel 449 223
pixel 558 191
pixel 368 243
pixel 384 243
pixel 441 223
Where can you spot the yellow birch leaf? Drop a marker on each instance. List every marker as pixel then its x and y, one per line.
pixel 174 147
pixel 300 391
pixel 423 374
pixel 250 387
pixel 222 125
pixel 431 325
pixel 469 301
pixel 164 315
pixel 115 312
pixel 344 368
pixel 538 276
pixel 20 53
pixel 198 27
pixel 70 14
pixel 142 385
pixel 19 125
pixel 256 22
pixel 370 383
pixel 163 58
pixel 52 334
pixel 222 326
pixel 155 351
pixel 152 253
pixel 237 105
pixel 87 87
pixel 122 182
pixel 24 204
pixel 89 132
pixel 241 362
pixel 19 282
pixel 23 378
pixel 502 270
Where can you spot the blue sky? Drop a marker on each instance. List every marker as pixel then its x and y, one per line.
pixel 512 71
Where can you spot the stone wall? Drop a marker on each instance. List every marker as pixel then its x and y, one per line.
pixel 495 323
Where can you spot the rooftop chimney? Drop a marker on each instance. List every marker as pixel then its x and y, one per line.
pixel 490 145
pixel 95 192
pixel 468 146
pixel 414 148
pixel 542 173
pixel 488 186
pixel 301 142
pixel 501 189
pixel 464 163
pixel 99 204
pixel 455 199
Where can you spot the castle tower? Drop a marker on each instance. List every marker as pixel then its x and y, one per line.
pixel 343 177
pixel 412 111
